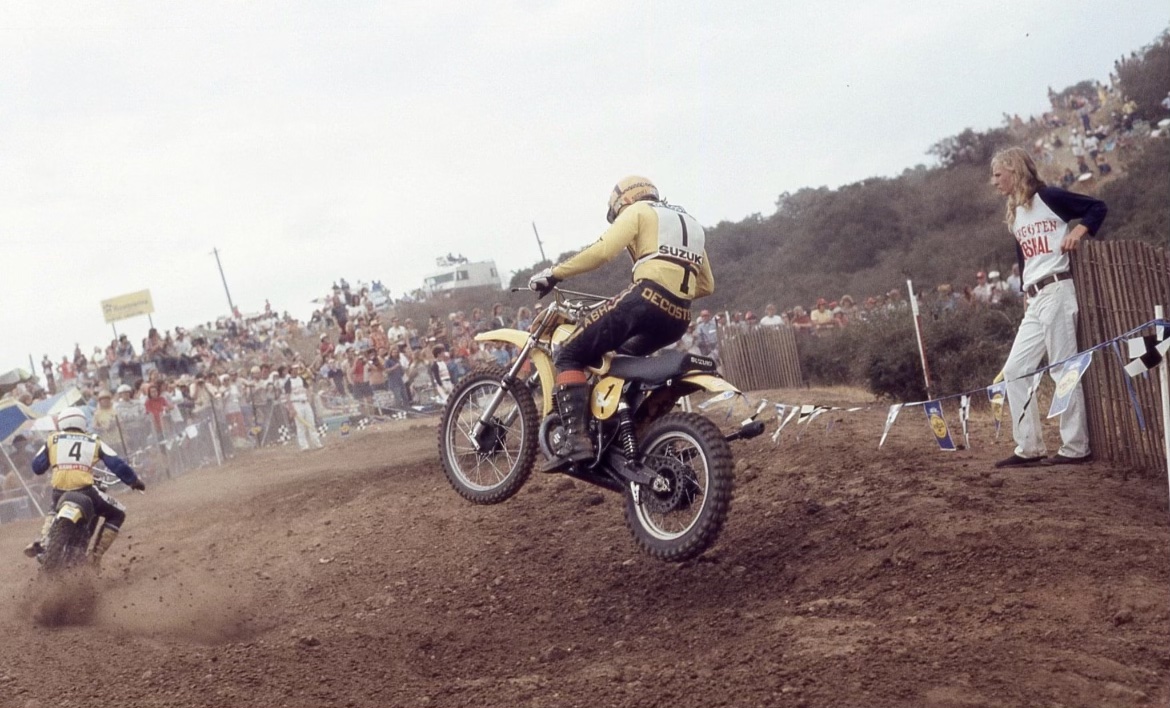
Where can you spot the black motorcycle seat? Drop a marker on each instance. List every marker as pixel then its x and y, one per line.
pixel 660 367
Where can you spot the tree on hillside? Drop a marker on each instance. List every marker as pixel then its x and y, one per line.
pixel 970 147
pixel 1137 203
pixel 1145 77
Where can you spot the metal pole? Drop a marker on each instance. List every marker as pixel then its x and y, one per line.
pixel 918 334
pixel 538 243
pixel 1164 383
pixel 122 437
pixel 231 306
pixel 20 478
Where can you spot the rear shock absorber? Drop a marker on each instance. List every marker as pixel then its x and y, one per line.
pixel 626 432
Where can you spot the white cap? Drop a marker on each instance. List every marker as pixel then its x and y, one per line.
pixel 993 274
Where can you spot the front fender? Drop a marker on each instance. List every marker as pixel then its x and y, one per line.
pixel 539 358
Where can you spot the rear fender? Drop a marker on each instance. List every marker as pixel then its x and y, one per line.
pixel 541 360
pixel 710 382
pixel 75 507
pixel 71 511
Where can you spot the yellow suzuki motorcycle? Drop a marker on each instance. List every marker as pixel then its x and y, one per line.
pixel 675 468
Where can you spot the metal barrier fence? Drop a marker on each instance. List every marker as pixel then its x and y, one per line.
pixel 185 439
pixel 1118 285
pixel 169 450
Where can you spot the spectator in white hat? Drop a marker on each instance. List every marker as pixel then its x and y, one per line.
pixel 998 287
pixel 982 289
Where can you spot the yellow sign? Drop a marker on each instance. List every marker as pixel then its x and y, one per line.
pixel 939 425
pixel 129 305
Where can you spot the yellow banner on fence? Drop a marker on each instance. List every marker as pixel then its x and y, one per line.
pixel 129 305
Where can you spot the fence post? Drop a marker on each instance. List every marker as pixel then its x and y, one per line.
pixel 1164 383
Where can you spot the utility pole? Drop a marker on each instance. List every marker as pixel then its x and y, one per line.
pixel 231 307
pixel 538 243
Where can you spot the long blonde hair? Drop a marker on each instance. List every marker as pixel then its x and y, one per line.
pixel 1027 182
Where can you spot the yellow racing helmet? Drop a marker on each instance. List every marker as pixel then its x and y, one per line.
pixel 627 191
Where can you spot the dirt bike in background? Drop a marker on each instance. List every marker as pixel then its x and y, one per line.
pixel 674 468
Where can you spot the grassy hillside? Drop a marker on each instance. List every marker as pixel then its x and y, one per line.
pixel 934 225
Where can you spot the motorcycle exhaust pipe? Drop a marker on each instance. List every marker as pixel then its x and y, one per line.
pixel 747 431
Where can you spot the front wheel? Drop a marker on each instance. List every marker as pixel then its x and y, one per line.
pixel 489 465
pixel 680 514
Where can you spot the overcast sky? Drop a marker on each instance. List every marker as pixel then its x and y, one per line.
pixel 309 141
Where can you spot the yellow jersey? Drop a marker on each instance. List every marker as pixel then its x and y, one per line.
pixel 72 457
pixel 666 245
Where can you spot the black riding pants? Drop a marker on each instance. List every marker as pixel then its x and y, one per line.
pixel 639 321
pixel 103 505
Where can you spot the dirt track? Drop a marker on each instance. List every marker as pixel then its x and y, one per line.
pixel 847 576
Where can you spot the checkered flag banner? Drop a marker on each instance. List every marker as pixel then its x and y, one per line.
pixel 322 429
pixel 284 435
pixel 1147 352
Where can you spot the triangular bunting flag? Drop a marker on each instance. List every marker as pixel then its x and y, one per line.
pixel 964 416
pixel 938 425
pixel 1147 352
pixel 792 413
pixel 890 418
pixel 1066 382
pixel 996 394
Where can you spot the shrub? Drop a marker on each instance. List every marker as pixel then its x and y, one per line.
pixel 965 349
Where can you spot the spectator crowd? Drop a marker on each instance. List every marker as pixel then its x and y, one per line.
pixel 989 290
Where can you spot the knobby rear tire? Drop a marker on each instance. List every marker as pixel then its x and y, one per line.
pixel 716 469
pixel 65 546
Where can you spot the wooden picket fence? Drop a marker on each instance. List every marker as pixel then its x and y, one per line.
pixel 759 358
pixel 1118 284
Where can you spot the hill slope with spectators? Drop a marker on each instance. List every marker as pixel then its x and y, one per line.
pixel 943 224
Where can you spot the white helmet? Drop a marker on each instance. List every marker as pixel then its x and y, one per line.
pixel 71 419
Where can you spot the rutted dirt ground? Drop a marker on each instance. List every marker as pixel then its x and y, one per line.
pixel 846 576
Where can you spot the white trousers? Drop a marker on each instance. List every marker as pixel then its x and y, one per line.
pixel 306 425
pixel 1049 327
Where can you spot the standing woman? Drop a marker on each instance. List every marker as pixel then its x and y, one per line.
pixel 1038 216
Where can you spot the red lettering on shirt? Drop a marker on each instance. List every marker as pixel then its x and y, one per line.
pixel 1033 237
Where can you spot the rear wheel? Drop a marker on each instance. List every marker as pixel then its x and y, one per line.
pixel 65 546
pixel 680 514
pixel 489 466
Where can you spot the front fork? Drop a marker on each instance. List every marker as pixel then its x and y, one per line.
pixel 510 379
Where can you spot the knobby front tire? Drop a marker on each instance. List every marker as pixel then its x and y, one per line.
pixel 497 470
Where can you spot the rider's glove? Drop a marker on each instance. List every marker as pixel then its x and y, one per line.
pixel 542 282
pixel 138 486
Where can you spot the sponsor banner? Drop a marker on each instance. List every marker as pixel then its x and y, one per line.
pixel 128 305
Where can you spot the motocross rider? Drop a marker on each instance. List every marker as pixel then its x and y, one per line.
pixel 670 269
pixel 71 455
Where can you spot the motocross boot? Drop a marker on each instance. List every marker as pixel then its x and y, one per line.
pixel 105 539
pixel 575 446
pixel 35 548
